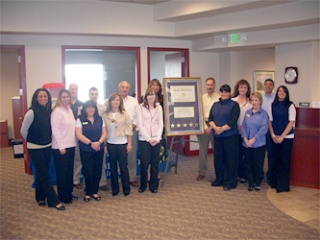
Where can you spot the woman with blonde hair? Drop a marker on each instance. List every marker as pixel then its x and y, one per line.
pixel 253 131
pixel 119 142
pixel 63 145
pixel 241 95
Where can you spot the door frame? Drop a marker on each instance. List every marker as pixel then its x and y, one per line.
pixel 22 93
pixel 185 73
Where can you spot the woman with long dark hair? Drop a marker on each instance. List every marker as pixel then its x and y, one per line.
pixel 282 116
pixel 63 145
pixel 91 132
pixel 36 130
pixel 150 125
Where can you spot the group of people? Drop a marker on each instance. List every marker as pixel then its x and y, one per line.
pixel 242 127
pixel 79 135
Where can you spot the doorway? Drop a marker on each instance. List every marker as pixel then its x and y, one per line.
pixel 102 67
pixel 169 62
pixel 13 92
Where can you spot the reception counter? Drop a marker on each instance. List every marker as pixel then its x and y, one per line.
pixel 306 154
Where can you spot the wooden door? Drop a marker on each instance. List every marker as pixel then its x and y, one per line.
pixel 17 117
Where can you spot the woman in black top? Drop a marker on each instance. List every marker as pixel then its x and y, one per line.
pixel 91 132
pixel 282 116
pixel 36 129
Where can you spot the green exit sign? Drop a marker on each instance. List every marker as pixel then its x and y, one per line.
pixel 234 37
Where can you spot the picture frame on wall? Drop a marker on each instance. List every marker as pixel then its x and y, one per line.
pixel 259 76
pixel 183 106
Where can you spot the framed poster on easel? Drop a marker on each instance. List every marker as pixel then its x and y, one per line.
pixel 183 106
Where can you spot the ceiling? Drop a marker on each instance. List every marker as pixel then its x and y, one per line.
pixel 138 1
pixel 208 24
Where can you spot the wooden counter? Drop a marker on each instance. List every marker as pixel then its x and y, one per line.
pixel 306 153
pixel 4 134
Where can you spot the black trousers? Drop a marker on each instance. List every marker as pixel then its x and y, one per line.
pixel 253 159
pixel 91 169
pixel 270 151
pixel 241 165
pixel 64 170
pixel 44 189
pixel 280 174
pixel 118 154
pixel 226 155
pixel 149 155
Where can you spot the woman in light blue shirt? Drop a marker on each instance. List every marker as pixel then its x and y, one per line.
pixel 253 132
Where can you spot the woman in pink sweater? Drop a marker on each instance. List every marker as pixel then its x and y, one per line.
pixel 150 125
pixel 63 145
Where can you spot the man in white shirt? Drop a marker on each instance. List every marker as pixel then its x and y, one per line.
pixel 93 95
pixel 130 105
pixel 268 95
pixel 208 99
pixel 268 98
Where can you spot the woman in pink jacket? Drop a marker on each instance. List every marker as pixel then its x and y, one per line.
pixel 63 145
pixel 150 125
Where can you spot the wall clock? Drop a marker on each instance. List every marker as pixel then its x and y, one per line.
pixel 291 75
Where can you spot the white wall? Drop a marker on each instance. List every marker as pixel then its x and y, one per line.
pixel 304 56
pixel 245 62
pixel 44 60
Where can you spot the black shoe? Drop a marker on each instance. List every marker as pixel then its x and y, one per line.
pixel 104 188
pixel 250 189
pixel 74 197
pixel 67 202
pixel 242 180
pixel 226 188
pixel 257 188
pixel 216 184
pixel 77 186
pixel 97 197
pixel 134 184
pixel 126 194
pixel 154 190
pixel 60 207
pixel 281 190
pixel 115 194
pixel 86 198
pixel 141 190
pixel 42 203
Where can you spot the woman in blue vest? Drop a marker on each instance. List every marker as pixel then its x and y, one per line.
pixel 36 129
pixel 282 121
pixel 223 122
pixel 91 132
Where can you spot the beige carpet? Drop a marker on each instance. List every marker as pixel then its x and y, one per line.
pixel 183 209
